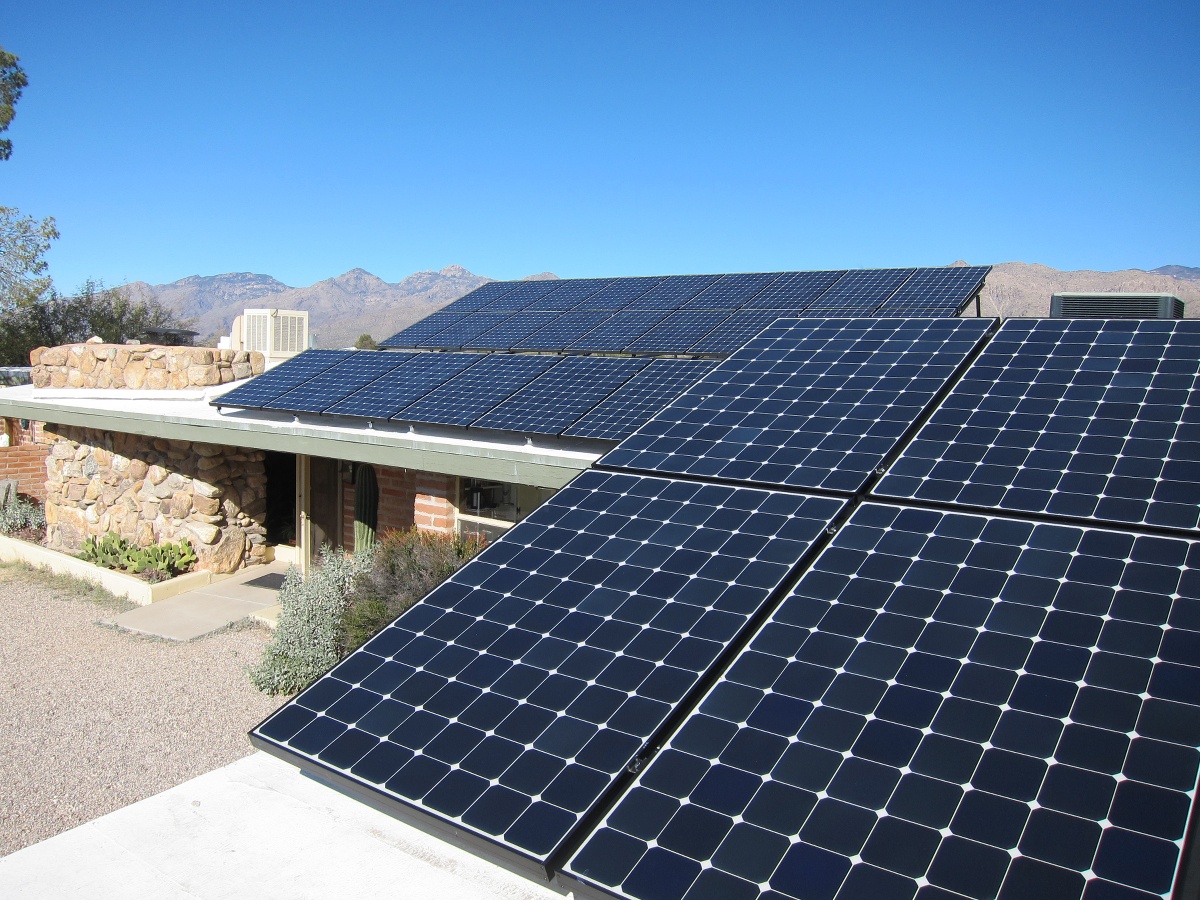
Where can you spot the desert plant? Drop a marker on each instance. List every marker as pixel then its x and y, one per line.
pixel 366 507
pixel 308 638
pixel 163 560
pixel 19 516
pixel 405 566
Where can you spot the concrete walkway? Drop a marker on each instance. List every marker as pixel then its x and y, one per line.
pixel 256 828
pixel 253 593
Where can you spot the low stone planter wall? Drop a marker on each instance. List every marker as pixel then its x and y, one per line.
pixel 119 584
pixel 152 491
pixel 139 366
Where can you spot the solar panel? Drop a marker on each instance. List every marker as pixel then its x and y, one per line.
pixel 673 292
pixel 571 293
pixel 562 395
pixel 815 403
pixel 619 330
pixel 1088 419
pixel 738 329
pixel 732 291
pixel 640 398
pixel 947 705
pixel 860 290
pixel 424 329
pixel 338 382
pixel 523 295
pixel 513 330
pixel 793 290
pixel 456 336
pixel 679 331
pixel 467 396
pixel 622 292
pixel 482 296
pixel 564 330
pixel 278 381
pixel 398 388
pixel 945 288
pixel 505 703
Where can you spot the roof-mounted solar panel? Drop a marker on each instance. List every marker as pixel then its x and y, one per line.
pixel 278 381
pixel 673 292
pixel 732 291
pixel 564 330
pixel 810 403
pixel 482 296
pixel 338 382
pixel 947 289
pixel 679 331
pixel 793 290
pixel 859 291
pixel 619 330
pixel 637 401
pixel 737 330
pixel 512 331
pixel 478 389
pixel 571 293
pixel 524 295
pixel 408 382
pixel 622 292
pixel 426 328
pixel 458 335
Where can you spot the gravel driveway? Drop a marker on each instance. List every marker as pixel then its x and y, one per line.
pixel 93 719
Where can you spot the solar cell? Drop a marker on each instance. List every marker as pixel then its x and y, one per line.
pixel 571 293
pixel 673 292
pixel 1089 419
pixel 640 398
pixel 946 705
pixel 523 295
pixel 562 395
pixel 506 702
pixel 513 330
pixel 679 331
pixel 860 289
pixel 945 288
pixel 338 382
pixel 424 329
pixel 481 296
pixel 619 330
pixel 738 329
pixel 467 396
pixel 411 381
pixel 278 381
pixel 793 290
pixel 732 291
pixel 564 330
pixel 815 403
pixel 456 336
pixel 621 292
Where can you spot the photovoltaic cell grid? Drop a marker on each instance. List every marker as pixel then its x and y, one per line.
pixel 507 701
pixel 476 390
pixel 679 331
pixel 513 330
pixel 859 291
pixel 571 293
pixel 947 705
pixel 457 335
pixel 409 382
pixel 564 330
pixel 562 395
pixel 339 381
pixel 673 292
pixel 738 329
pixel 622 292
pixel 432 324
pixel 794 290
pixel 266 387
pixel 809 403
pixel 524 295
pixel 1079 418
pixel 619 330
pixel 929 289
pixel 732 291
pixel 483 295
pixel 640 398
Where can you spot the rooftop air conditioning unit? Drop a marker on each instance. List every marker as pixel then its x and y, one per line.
pixel 1115 306
pixel 277 334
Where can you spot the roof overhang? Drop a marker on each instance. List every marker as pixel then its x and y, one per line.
pixel 187 415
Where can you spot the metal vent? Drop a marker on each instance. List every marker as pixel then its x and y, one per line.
pixel 1115 306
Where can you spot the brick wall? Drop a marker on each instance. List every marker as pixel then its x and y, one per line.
pixel 27 464
pixel 433 506
pixel 397 489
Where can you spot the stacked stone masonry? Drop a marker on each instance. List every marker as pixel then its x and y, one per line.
pixel 152 491
pixel 140 366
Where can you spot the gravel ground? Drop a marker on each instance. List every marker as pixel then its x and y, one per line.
pixel 93 718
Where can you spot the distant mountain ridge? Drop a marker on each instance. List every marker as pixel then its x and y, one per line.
pixel 358 302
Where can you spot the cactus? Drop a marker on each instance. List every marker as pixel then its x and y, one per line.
pixel 114 552
pixel 366 508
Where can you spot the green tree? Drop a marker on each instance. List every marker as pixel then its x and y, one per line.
pixel 365 342
pixel 12 82
pixel 23 245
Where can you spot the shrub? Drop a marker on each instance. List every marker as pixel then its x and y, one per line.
pixel 405 566
pixel 158 562
pixel 308 638
pixel 23 519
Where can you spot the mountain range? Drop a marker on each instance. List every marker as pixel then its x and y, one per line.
pixel 342 308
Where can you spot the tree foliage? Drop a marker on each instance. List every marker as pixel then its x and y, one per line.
pixel 365 342
pixel 23 244
pixel 12 82
pixel 112 314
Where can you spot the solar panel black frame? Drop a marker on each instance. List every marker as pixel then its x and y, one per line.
pixel 504 705
pixel 339 381
pixel 476 390
pixel 407 383
pixel 810 403
pixel 946 705
pixel 274 383
pixel 640 399
pixel 563 394
pixel 1079 418
pixel 424 329
pixel 948 288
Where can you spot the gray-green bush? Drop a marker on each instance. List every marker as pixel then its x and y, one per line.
pixel 20 518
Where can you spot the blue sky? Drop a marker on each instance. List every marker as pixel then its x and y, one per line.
pixel 604 138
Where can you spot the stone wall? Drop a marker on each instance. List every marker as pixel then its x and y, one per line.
pixel 154 490
pixel 140 366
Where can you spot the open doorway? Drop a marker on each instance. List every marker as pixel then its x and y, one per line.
pixel 281 498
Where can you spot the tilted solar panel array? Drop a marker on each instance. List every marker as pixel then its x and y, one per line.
pixel 681 313
pixel 935 702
